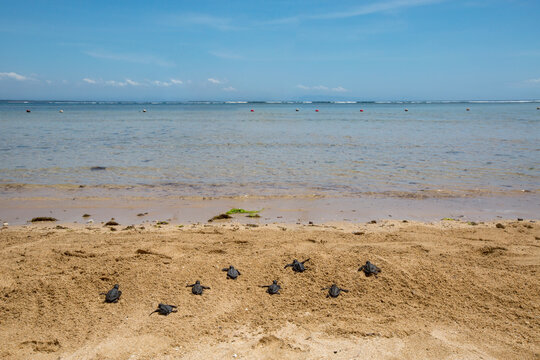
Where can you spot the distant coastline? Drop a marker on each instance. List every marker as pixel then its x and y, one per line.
pixel 266 102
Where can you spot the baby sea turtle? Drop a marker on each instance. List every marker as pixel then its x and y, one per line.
pixel 370 269
pixel 272 289
pixel 112 295
pixel 197 288
pixel 334 290
pixel 232 273
pixel 164 309
pixel 297 266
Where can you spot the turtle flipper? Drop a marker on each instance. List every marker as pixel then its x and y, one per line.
pixel 157 310
pixel 206 287
pixel 306 260
pixel 190 285
pixel 286 266
pixel 344 290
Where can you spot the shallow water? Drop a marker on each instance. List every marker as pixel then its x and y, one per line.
pixel 227 150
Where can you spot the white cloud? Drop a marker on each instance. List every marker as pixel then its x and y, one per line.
pixel 177 82
pixel 366 9
pixel 132 83
pixel 90 81
pixel 115 83
pixel 214 81
pixel 229 88
pixel 161 83
pixel 14 76
pixel 321 88
pixel 533 81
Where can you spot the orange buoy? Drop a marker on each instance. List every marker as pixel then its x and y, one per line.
pixel 361 110
pixel 316 110
pixel 252 110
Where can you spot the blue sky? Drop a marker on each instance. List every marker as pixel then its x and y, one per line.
pixel 270 50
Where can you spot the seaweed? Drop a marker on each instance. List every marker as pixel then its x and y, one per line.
pixel 162 223
pixel 241 211
pixel 111 223
pixel 86 215
pixel 253 215
pixel 220 217
pixel 43 218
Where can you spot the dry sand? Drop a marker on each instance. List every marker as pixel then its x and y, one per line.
pixel 447 290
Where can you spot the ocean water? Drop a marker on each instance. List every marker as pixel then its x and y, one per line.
pixel 219 149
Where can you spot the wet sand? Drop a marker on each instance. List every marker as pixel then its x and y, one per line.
pixel 448 290
pixel 17 210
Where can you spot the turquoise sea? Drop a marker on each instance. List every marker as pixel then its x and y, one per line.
pixel 225 149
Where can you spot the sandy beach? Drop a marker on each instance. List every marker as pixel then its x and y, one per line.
pixel 447 290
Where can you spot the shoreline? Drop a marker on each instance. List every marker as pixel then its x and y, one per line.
pixel 446 290
pixel 19 211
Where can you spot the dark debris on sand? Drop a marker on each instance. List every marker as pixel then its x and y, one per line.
pixel 43 218
pixel 220 217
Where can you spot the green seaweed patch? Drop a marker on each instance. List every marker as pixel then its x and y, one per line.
pixel 241 211
pixel 180 226
pixel 253 215
pixel 43 218
pixel 162 223
pixel 473 223
pixel 111 223
pixel 448 219
pixel 220 217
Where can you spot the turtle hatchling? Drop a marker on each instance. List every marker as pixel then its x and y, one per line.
pixel 334 290
pixel 112 295
pixel 232 273
pixel 197 288
pixel 369 269
pixel 272 289
pixel 164 309
pixel 297 266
